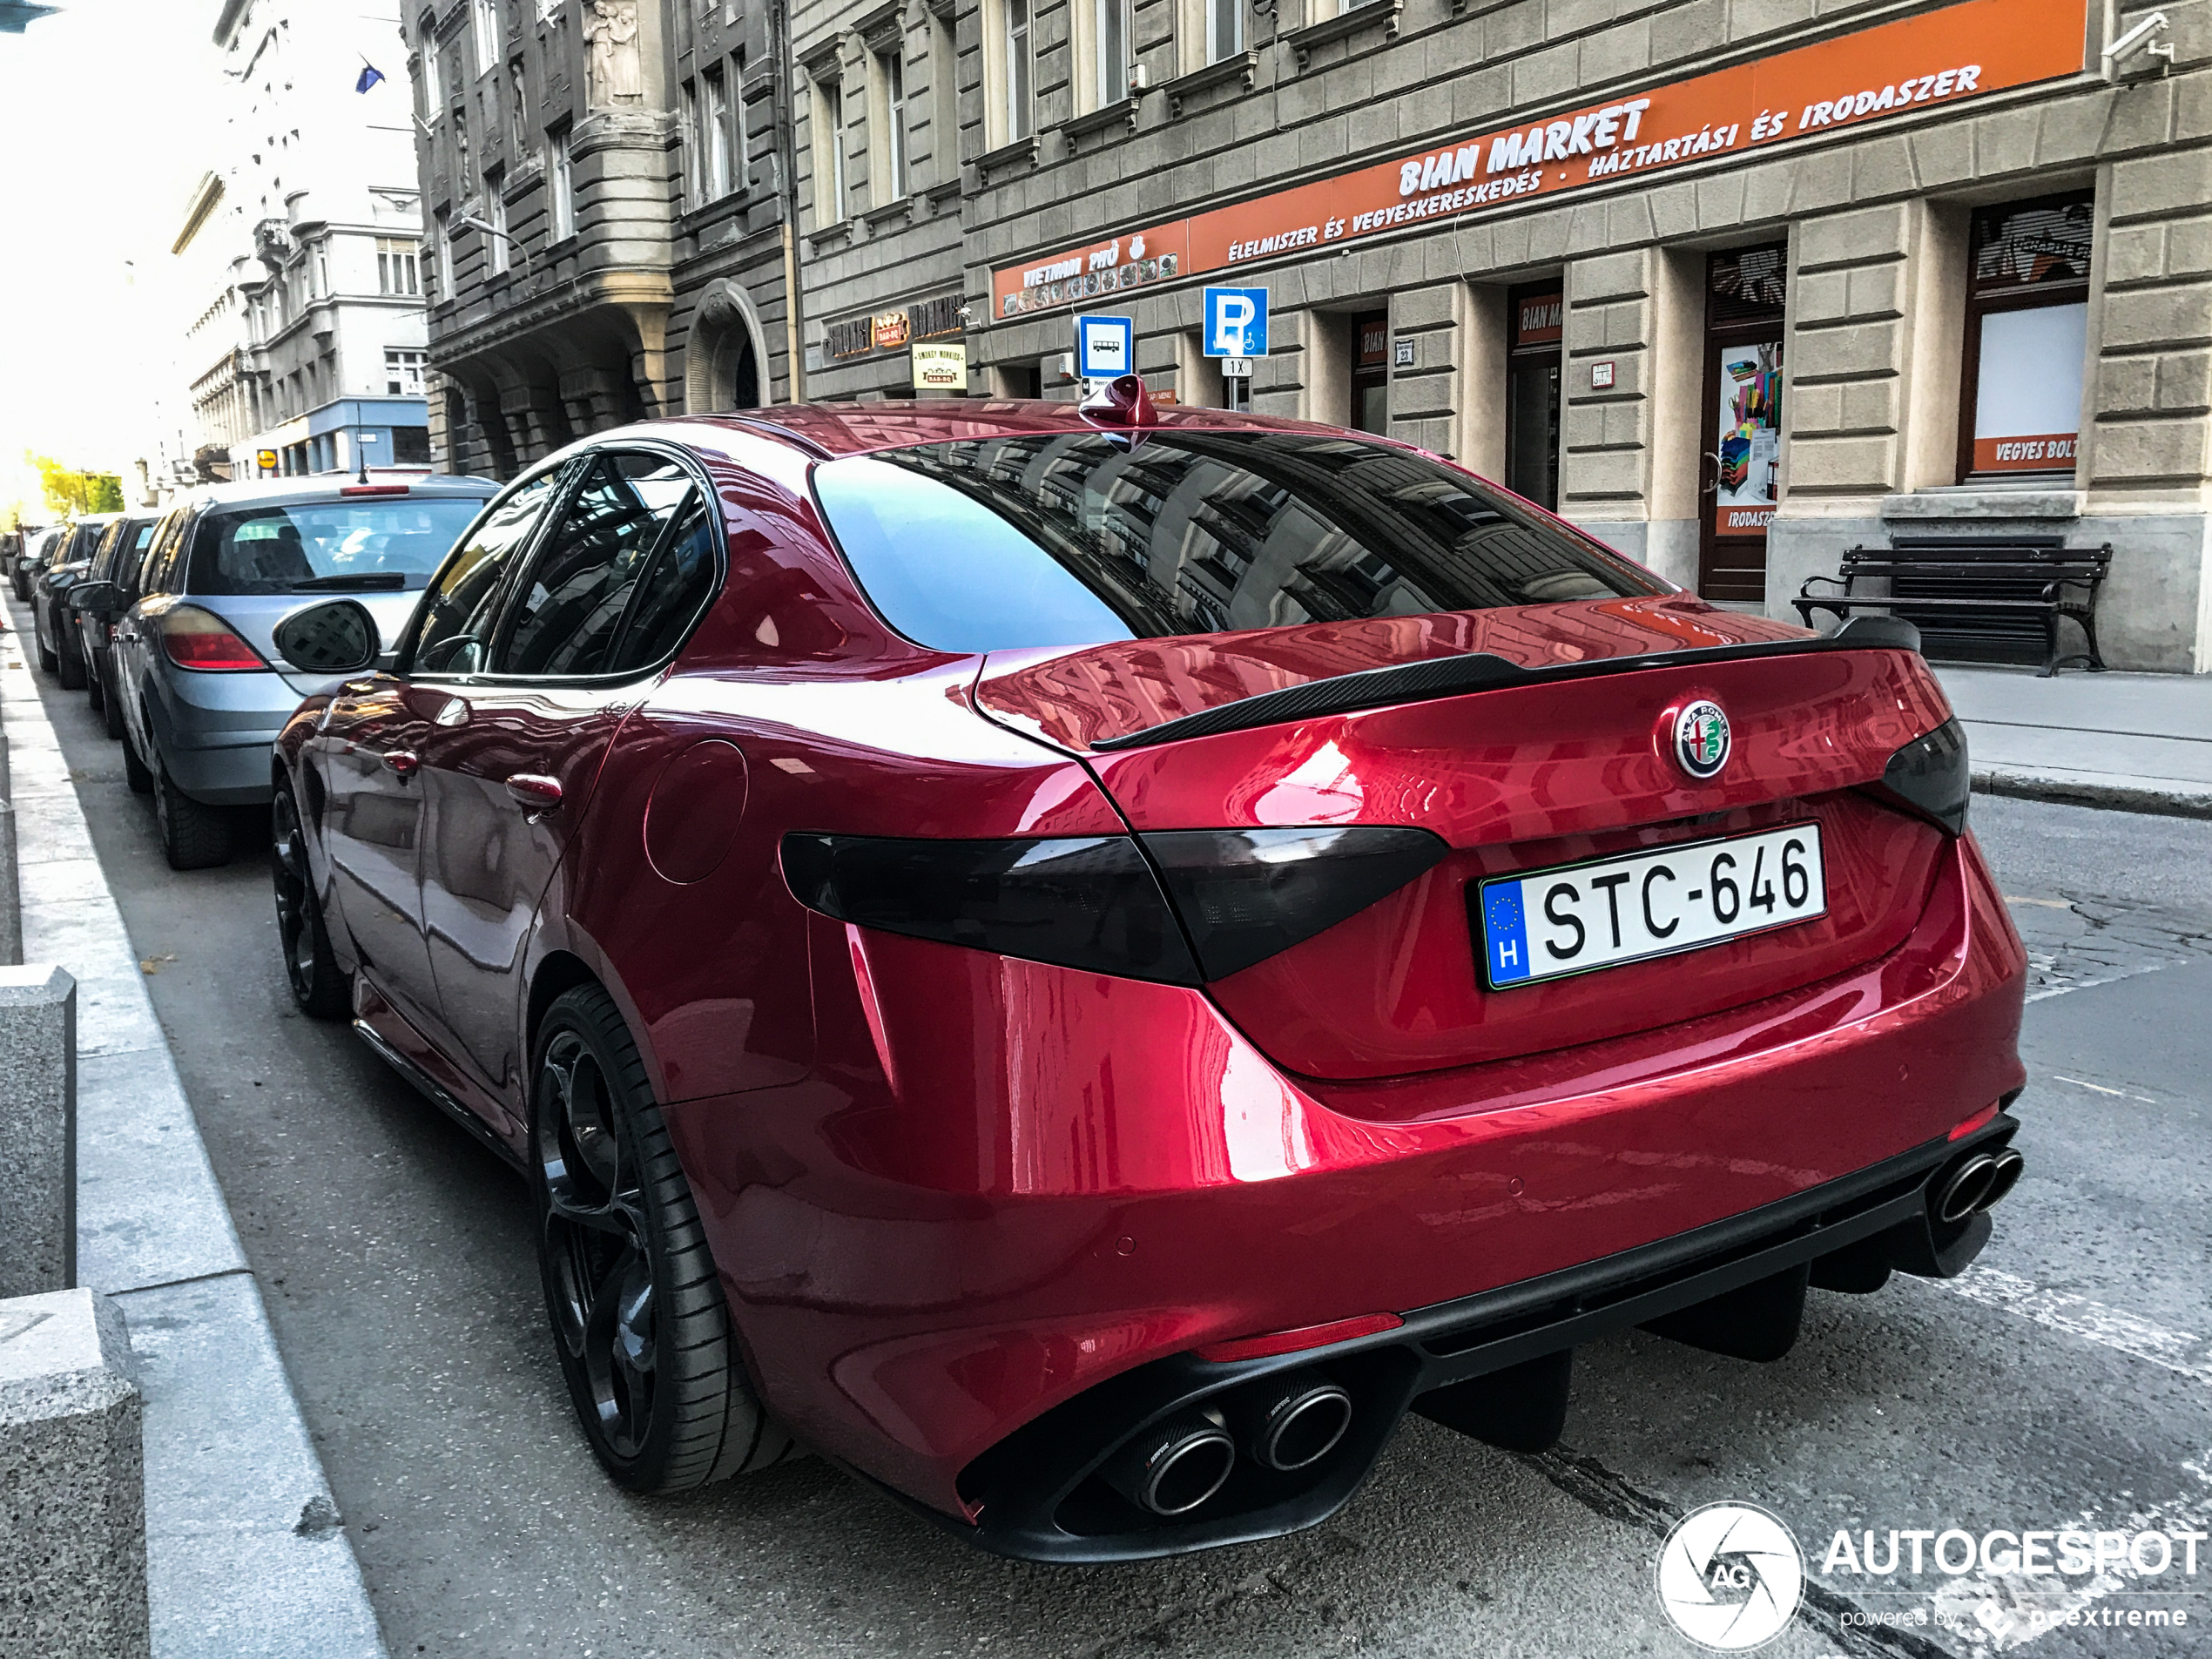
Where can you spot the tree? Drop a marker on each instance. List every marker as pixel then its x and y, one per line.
pixel 70 491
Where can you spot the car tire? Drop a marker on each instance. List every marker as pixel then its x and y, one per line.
pixel 70 671
pixel 112 711
pixel 47 660
pixel 310 965
pixel 136 772
pixel 95 691
pixel 194 836
pixel 639 1320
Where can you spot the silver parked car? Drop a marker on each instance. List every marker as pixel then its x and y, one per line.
pixel 201 685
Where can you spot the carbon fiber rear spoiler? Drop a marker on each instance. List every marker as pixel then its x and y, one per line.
pixel 1377 688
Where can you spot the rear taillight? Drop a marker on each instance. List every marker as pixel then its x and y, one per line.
pixel 201 640
pixel 1931 776
pixel 1246 895
pixel 1088 901
pixel 1232 897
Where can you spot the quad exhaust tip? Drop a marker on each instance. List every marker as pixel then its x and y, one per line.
pixel 1291 1421
pixel 1174 1467
pixel 1977 1184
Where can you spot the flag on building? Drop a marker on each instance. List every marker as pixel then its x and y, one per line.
pixel 369 76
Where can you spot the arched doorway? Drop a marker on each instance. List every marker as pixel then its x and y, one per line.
pixel 722 353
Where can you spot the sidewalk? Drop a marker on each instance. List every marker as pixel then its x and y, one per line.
pixel 245 1556
pixel 2137 742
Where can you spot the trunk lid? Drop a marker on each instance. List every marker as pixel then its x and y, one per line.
pixel 1517 777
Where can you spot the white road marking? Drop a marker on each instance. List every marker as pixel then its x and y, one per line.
pixel 2180 1351
pixel 2046 904
pixel 2120 1094
pixel 2109 979
pixel 1997 1612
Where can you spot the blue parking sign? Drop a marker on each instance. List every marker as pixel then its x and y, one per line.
pixel 1105 347
pixel 1236 322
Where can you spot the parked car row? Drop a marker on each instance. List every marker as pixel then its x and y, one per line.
pixel 169 620
pixel 1085 962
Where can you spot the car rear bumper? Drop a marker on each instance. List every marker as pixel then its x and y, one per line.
pixel 1014 1196
pixel 216 732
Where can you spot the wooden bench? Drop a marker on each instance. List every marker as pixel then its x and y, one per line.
pixel 1974 597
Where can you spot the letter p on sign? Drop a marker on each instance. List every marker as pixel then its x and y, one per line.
pixel 1236 322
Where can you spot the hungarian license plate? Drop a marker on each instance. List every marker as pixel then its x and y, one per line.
pixel 1574 918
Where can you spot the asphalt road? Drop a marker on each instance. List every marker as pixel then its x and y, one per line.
pixel 2067 1385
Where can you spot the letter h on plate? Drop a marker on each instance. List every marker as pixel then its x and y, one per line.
pixel 1505 928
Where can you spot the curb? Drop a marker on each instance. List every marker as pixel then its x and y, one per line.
pixel 2112 798
pixel 246 1555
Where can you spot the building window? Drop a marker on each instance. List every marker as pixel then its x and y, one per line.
pixel 891 71
pixel 694 136
pixel 714 156
pixel 2027 337
pixel 1225 28
pixel 395 269
pixel 322 270
pixel 1533 368
pixel 829 145
pixel 1111 20
pixel 1018 113
pixel 446 286
pixel 426 39
pixel 487 16
pixel 403 372
pixel 495 217
pixel 944 101
pixel 561 174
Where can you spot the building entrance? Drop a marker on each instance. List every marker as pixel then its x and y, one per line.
pixel 1745 290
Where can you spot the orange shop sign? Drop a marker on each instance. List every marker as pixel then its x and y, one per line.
pixel 1956 55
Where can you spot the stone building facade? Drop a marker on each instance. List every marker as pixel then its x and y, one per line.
pixel 1735 284
pixel 1719 278
pixel 604 182
pixel 293 262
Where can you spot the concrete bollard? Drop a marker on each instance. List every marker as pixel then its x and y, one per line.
pixel 72 1483
pixel 37 1130
pixel 10 890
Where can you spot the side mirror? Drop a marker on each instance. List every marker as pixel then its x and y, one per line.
pixel 98 598
pixel 336 638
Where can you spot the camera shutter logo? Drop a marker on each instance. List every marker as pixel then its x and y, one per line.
pixel 1730 1576
pixel 1701 739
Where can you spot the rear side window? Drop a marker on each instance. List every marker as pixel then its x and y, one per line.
pixel 1075 538
pixel 370 545
pixel 614 586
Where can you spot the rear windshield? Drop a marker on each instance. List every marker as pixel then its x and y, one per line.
pixel 1072 538
pixel 326 545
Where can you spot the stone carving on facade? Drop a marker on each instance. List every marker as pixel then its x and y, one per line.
pixel 617 76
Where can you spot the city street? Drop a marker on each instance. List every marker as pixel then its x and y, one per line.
pixel 2064 1383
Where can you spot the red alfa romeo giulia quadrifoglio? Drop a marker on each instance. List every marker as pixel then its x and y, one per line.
pixel 1083 963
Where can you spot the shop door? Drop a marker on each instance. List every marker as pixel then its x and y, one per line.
pixel 1532 393
pixel 1371 372
pixel 1744 293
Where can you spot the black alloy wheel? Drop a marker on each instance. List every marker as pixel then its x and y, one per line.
pixel 110 705
pixel 639 1320
pixel 310 965
pixel 136 772
pixel 194 836
pixel 69 662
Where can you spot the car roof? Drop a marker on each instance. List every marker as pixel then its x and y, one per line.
pixel 828 430
pixel 290 492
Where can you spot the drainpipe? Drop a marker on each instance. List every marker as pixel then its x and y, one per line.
pixel 787 168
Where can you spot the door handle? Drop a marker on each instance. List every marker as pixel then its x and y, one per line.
pixel 534 791
pixel 402 761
